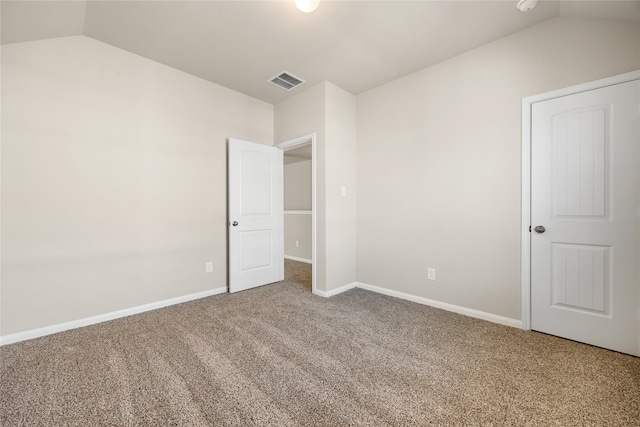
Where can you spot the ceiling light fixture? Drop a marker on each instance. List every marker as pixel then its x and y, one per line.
pixel 527 5
pixel 307 6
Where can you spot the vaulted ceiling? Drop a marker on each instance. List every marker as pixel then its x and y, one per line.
pixel 356 45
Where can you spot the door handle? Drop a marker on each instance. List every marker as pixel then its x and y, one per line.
pixel 540 229
pixel 235 223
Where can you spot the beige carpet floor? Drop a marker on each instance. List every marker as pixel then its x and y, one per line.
pixel 298 272
pixel 278 355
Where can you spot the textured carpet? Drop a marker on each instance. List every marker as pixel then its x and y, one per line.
pixel 298 272
pixel 278 355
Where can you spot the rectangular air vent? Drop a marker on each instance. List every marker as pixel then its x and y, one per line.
pixel 286 80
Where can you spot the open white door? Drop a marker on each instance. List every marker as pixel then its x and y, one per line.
pixel 585 204
pixel 256 242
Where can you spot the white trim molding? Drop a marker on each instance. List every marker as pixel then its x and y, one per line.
pixel 336 291
pixel 425 301
pixel 297 212
pixel 444 306
pixel 87 321
pixel 527 106
pixel 295 258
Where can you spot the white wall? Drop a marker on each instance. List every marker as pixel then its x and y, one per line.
pixel 438 160
pixel 297 197
pixel 297 228
pixel 331 113
pixel 303 114
pixel 297 186
pixel 340 160
pixel 113 180
pixel 113 171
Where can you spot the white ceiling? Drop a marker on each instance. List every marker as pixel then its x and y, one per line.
pixel 356 45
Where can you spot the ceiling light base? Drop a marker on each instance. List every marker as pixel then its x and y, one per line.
pixel 307 6
pixel 526 5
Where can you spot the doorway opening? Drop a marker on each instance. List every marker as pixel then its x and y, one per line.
pixel 300 210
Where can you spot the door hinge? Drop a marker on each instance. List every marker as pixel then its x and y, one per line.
pixel 529 229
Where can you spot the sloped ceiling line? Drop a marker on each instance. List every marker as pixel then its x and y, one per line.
pixel 241 44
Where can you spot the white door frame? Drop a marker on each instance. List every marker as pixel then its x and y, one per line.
pixel 527 104
pixel 288 145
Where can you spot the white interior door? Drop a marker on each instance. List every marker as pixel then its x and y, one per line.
pixel 256 230
pixel 585 192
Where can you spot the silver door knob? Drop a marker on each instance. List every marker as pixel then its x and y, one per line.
pixel 235 223
pixel 540 229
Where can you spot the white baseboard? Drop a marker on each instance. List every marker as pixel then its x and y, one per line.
pixel 336 291
pixel 60 327
pixel 295 258
pixel 48 330
pixel 445 306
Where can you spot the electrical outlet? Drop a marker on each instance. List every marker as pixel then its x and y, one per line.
pixel 297 243
pixel 431 273
pixel 209 267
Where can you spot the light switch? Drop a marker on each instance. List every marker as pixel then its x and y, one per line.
pixel 343 190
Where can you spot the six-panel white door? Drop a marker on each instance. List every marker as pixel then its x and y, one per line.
pixel 585 192
pixel 256 230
